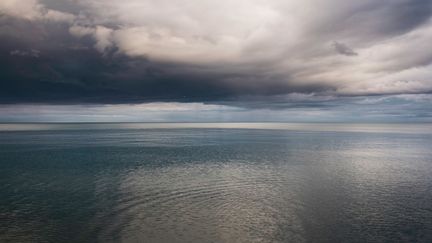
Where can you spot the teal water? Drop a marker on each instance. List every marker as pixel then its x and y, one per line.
pixel 215 182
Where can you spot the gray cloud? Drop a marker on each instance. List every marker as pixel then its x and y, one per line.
pixel 23 53
pixel 253 53
pixel 344 49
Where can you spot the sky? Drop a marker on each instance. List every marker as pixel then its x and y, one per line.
pixel 216 60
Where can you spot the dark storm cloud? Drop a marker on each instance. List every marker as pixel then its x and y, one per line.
pixel 111 51
pixel 79 74
pixel 61 69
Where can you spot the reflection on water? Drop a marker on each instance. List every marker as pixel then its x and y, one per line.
pixel 141 184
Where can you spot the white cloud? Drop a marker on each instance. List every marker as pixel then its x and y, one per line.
pixel 33 10
pixel 292 39
pixel 81 31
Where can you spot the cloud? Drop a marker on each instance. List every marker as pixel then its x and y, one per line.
pixel 287 38
pixel 23 53
pixel 387 108
pixel 102 36
pixel 344 49
pixel 33 10
pixel 256 52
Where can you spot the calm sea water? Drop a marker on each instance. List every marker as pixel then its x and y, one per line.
pixel 215 183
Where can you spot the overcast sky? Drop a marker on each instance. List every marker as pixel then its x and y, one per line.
pixel 215 60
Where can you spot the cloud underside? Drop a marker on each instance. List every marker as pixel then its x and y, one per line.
pixel 241 53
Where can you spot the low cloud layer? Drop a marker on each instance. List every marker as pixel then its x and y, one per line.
pixel 239 53
pixel 296 108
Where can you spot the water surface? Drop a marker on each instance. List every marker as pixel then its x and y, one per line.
pixel 215 182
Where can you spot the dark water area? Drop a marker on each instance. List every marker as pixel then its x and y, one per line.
pixel 215 183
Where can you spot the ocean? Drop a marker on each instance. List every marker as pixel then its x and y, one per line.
pixel 215 182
